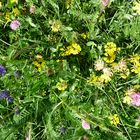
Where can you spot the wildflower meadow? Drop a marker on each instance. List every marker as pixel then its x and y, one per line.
pixel 69 70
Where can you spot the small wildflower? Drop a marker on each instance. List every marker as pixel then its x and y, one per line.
pixel 121 66
pixel 107 71
pixel 99 64
pixel 10 99
pixel 2 70
pixel 136 7
pixel 74 49
pixel 105 2
pixel 104 78
pixel 15 24
pixel 93 79
pixel 114 119
pixel 135 99
pixel 125 73
pixel 68 3
pixel 0 5
pixel 32 9
pixel 55 25
pixel 40 65
pixel 85 125
pixel 16 11
pixel 135 60
pixel 39 57
pixel 8 16
pixel 62 130
pixel 4 94
pixel 62 85
pixel 85 35
pixel 130 92
pixel 127 100
pixel 110 52
pixel 85 137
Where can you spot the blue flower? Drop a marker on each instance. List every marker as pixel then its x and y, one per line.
pixel 2 70
pixel 62 130
pixel 4 94
pixel 10 99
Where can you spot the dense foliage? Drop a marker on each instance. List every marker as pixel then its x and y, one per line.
pixel 70 70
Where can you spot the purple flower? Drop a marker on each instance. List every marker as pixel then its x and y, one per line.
pixel 10 99
pixel 15 24
pixel 4 94
pixel 135 99
pixel 2 70
pixel 62 130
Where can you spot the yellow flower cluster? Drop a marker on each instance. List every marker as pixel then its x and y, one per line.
pixel 40 63
pixel 68 3
pixel 99 80
pixel 114 119
pixel 135 60
pixel 55 25
pixel 74 49
pixel 14 13
pixel 136 7
pixel 110 52
pixel 127 98
pixel 62 85
pixel 85 35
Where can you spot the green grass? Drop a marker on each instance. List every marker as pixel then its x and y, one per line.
pixel 51 89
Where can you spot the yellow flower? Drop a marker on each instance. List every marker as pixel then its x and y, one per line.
pixel 136 7
pixel 85 35
pixel 0 5
pixel 68 3
pixel 74 49
pixel 62 85
pixel 125 73
pixel 39 57
pixel 114 119
pixel 130 92
pixel 93 79
pixel 110 52
pixel 136 63
pixel 127 100
pixel 16 11
pixel 104 78
pixel 109 59
pixel 55 25
pixel 40 66
pixel 8 16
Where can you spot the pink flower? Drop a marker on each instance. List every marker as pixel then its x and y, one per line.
pixel 85 124
pixel 15 24
pixel 105 2
pixel 136 99
pixel 32 9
